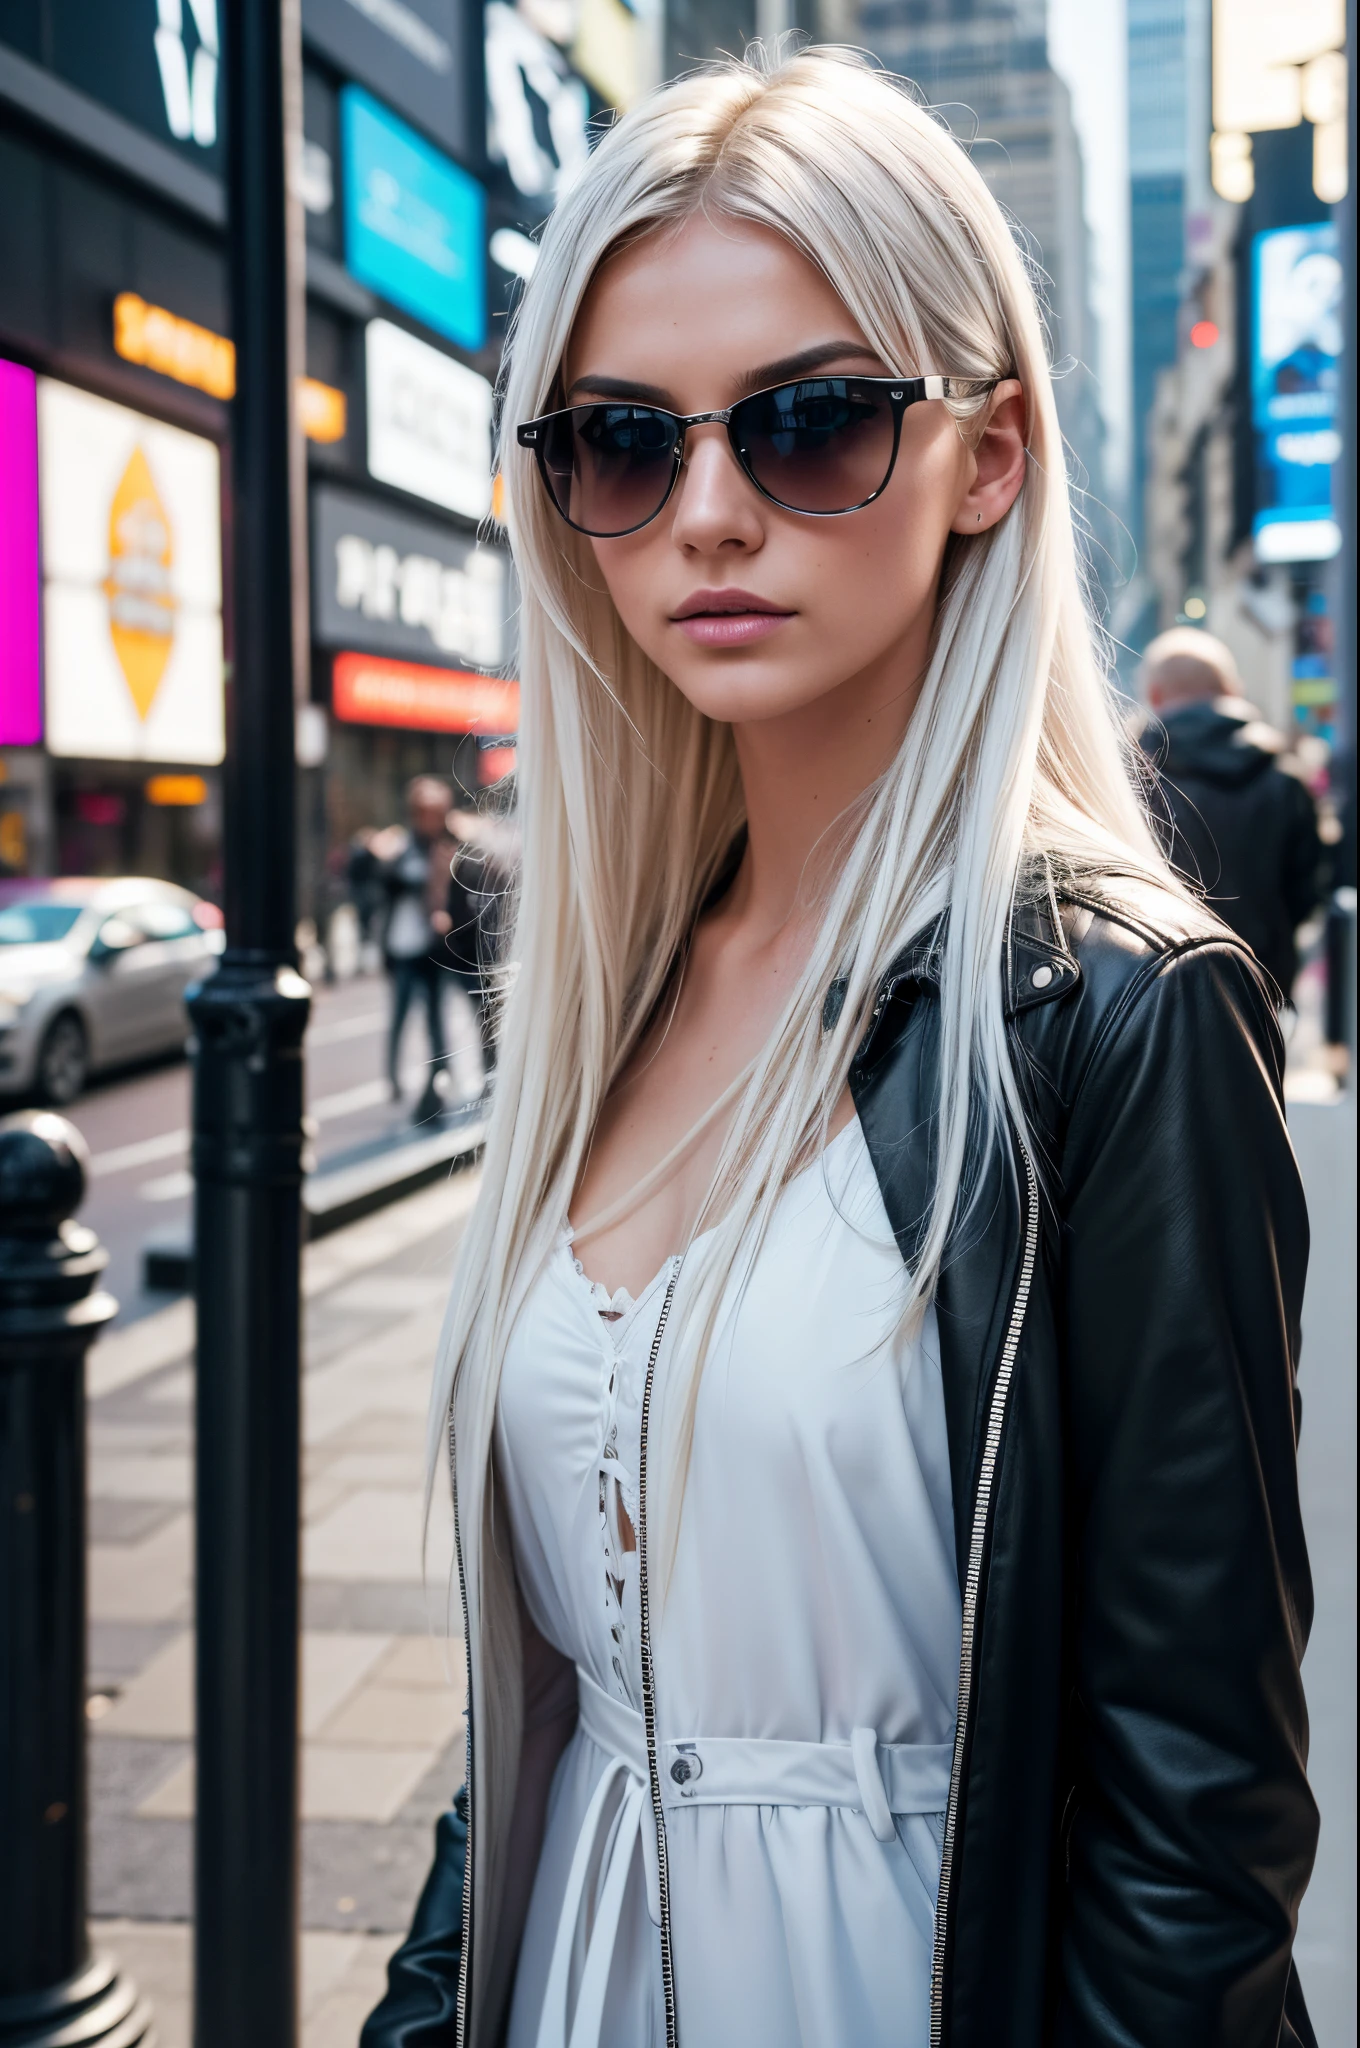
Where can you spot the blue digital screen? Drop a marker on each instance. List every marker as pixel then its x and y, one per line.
pixel 1296 343
pixel 415 224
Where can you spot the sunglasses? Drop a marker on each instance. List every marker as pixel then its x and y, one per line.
pixel 820 445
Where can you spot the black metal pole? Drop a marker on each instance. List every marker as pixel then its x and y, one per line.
pixel 248 1022
pixel 52 1990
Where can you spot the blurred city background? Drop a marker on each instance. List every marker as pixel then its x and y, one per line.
pixel 1177 172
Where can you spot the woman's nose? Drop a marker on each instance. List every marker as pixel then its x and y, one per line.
pixel 716 506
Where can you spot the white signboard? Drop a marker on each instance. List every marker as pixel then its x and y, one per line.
pixel 429 421
pixel 132 583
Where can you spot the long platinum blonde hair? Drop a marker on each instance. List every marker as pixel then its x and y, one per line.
pixel 630 798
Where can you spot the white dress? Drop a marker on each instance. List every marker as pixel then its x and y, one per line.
pixel 806 1654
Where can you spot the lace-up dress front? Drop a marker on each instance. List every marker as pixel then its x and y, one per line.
pixel 806 1650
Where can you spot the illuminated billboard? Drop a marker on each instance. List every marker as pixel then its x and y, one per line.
pixel 132 591
pixel 1296 344
pixel 20 588
pixel 415 224
pixel 429 421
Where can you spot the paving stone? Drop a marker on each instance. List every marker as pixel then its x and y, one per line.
pixel 144 1868
pixel 433 1660
pixel 376 1534
pixel 159 1701
pixel 125 1521
pixel 390 1295
pixel 147 1581
pixel 114 1475
pixel 391 1715
pixel 360 1783
pixel 124 1769
pixel 403 1470
pixel 434 1794
pixel 338 1783
pixel 364 1877
pixel 401 1609
pixel 118 1650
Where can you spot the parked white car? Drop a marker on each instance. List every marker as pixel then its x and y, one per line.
pixel 93 974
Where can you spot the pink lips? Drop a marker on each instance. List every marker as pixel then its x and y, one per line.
pixel 727 618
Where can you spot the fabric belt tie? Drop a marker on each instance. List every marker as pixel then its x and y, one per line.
pixel 877 1779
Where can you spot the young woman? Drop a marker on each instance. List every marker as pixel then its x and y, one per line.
pixel 869 1371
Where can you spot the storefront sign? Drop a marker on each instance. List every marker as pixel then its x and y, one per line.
pixel 538 107
pixel 20 588
pixel 158 66
pixel 404 586
pixel 132 598
pixel 1297 296
pixel 410 51
pixel 429 421
pixel 176 348
pixel 415 224
pixel 367 690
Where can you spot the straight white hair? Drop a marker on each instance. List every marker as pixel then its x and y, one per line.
pixel 630 798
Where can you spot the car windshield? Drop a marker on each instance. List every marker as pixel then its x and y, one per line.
pixel 36 924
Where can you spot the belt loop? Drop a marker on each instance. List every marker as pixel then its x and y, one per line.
pixel 873 1795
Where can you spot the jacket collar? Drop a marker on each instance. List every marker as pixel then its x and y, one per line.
pixel 1038 965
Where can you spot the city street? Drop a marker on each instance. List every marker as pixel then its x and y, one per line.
pixel 137 1125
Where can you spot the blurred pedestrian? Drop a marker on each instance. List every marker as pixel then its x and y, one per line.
pixel 412 865
pixel 1242 823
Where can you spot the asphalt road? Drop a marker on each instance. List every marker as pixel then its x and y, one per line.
pixel 137 1124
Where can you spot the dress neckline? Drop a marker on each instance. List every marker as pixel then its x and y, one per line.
pixel 612 1308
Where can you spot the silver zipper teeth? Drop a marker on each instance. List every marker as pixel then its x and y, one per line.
pixel 465 1947
pixel 648 1679
pixel 972 1585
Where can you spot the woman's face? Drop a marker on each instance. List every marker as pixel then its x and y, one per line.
pixel 751 610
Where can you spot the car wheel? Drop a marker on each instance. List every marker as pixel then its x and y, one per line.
pixel 63 1060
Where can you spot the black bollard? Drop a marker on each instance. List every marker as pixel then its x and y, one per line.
pixel 52 1990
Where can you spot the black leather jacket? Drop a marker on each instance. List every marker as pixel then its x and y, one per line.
pixel 1130 1828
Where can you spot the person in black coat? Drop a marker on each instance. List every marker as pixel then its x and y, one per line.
pixel 1240 820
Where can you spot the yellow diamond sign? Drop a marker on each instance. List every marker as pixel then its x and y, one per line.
pixel 141 601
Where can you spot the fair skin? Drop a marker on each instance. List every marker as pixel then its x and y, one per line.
pixel 810 637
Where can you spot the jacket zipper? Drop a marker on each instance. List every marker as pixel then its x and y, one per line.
pixel 977 1544
pixel 648 1675
pixel 465 1946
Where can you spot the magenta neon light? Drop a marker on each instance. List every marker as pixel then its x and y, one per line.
pixel 20 576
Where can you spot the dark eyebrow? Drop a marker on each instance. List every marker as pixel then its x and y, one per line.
pixel 620 387
pixel 807 360
pixel 760 378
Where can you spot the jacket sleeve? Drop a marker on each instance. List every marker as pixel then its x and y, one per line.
pixel 1185 1245
pixel 420 2006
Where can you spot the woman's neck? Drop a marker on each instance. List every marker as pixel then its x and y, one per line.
pixel 801 773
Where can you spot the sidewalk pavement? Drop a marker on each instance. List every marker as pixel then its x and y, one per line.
pixel 382 1681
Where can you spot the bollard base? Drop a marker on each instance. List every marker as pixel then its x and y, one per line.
pixel 97 2008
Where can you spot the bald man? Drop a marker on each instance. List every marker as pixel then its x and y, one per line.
pixel 1241 822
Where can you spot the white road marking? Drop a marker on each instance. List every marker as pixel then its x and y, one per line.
pixel 144 1153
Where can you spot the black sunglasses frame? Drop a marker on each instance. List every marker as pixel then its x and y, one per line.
pixel 900 392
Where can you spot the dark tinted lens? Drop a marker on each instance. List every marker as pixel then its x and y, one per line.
pixel 822 445
pixel 609 467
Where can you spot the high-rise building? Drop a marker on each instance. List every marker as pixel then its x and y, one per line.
pixel 1157 199
pixel 984 65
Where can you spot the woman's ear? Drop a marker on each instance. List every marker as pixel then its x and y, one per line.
pixel 998 462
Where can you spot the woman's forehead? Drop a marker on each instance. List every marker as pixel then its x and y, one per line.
pixel 708 301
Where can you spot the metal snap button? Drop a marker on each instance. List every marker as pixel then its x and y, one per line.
pixel 687 1766
pixel 1041 977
